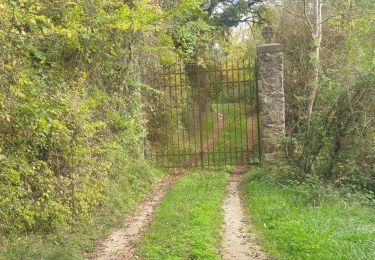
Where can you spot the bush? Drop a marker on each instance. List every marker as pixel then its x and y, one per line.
pixel 70 110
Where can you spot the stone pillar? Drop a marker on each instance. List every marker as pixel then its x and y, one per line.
pixel 271 100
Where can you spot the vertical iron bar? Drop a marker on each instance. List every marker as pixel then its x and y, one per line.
pixel 194 113
pixel 218 89
pixel 211 114
pixel 206 86
pixel 155 84
pixel 182 114
pixel 177 117
pixel 228 107
pixel 257 110
pixel 234 113
pixel 244 70
pixel 251 108
pixel 153 74
pixel 239 104
pixel 166 152
pixel 201 137
pixel 172 155
pixel 190 116
pixel 225 119
pixel 199 86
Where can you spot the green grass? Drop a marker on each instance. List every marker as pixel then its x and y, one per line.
pixel 188 223
pixel 228 148
pixel 293 229
pixel 233 138
pixel 185 143
pixel 125 192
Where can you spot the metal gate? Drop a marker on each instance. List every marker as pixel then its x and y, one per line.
pixel 204 115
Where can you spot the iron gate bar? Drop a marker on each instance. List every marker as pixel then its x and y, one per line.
pixel 246 117
pixel 234 113
pixel 258 114
pixel 182 111
pixel 171 105
pixel 187 110
pixel 195 132
pixel 222 103
pixel 200 123
pixel 238 86
pixel 217 112
pixel 158 97
pixel 177 126
pixel 212 126
pixel 208 73
pixel 165 87
pixel 227 86
pixel 252 121
pixel 229 121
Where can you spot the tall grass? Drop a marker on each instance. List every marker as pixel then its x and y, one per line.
pixel 293 228
pixel 127 187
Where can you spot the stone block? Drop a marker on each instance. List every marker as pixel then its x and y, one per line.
pixel 269 48
pixel 271 100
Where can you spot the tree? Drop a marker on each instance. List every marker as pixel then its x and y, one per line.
pixel 331 134
pixel 311 14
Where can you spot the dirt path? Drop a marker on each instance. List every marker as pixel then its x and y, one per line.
pixel 122 241
pixel 238 243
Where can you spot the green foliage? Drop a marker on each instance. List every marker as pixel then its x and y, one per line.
pixel 72 99
pixel 203 24
pixel 70 106
pixel 128 183
pixel 188 222
pixel 191 36
pixel 294 227
pixel 232 13
pixel 312 188
pixel 335 143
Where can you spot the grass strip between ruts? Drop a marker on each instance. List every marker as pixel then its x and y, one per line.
pixel 188 223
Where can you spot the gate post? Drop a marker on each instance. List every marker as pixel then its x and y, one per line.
pixel 271 101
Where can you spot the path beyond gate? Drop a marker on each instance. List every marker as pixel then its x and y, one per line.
pixel 204 115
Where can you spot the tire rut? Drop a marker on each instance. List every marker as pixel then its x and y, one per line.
pixel 121 243
pixel 238 243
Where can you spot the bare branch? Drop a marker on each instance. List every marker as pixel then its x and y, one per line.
pixel 325 20
pixel 306 16
pixel 286 9
pixel 308 22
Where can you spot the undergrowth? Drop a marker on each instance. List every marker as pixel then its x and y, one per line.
pixel 308 220
pixel 128 183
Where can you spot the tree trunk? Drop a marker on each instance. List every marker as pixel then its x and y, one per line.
pixel 317 38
